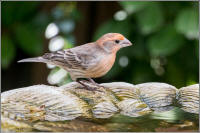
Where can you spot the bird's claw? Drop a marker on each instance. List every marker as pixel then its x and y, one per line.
pixel 90 86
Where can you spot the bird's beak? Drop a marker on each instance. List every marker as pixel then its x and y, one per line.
pixel 125 43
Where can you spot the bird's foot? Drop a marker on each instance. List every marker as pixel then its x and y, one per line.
pixel 94 83
pixel 88 86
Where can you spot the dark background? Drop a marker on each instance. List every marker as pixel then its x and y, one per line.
pixel 164 34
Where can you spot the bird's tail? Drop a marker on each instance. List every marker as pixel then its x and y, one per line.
pixel 36 59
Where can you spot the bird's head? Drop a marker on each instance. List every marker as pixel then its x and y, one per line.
pixel 112 42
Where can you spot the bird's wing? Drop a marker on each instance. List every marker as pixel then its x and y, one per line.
pixel 71 59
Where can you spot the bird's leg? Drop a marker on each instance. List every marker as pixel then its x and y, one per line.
pixel 92 81
pixel 85 85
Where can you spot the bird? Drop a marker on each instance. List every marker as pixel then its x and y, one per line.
pixel 87 61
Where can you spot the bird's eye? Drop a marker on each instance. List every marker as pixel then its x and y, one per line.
pixel 116 41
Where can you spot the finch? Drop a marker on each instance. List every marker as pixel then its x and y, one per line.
pixel 88 61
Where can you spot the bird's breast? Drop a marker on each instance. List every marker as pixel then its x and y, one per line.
pixel 102 67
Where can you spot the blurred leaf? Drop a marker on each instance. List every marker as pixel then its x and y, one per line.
pixel 65 80
pixel 113 27
pixel 51 74
pixel 25 9
pixel 7 51
pixel 54 70
pixel 133 6
pixel 57 75
pixel 64 10
pixel 29 39
pixel 67 44
pixel 150 19
pixel 138 50
pixel 15 11
pixel 165 42
pixel 187 23
pixel 7 13
pixel 41 20
pixel 76 15
pixel 66 26
pixel 191 80
pixel 57 12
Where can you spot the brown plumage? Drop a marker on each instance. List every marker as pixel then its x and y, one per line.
pixel 90 60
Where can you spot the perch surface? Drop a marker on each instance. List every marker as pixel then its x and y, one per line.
pixel 48 108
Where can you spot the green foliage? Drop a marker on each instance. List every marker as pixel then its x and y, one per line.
pixel 68 44
pixel 169 42
pixel 187 23
pixel 150 19
pixel 23 25
pixel 7 51
pixel 31 41
pixel 134 6
pixel 17 11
